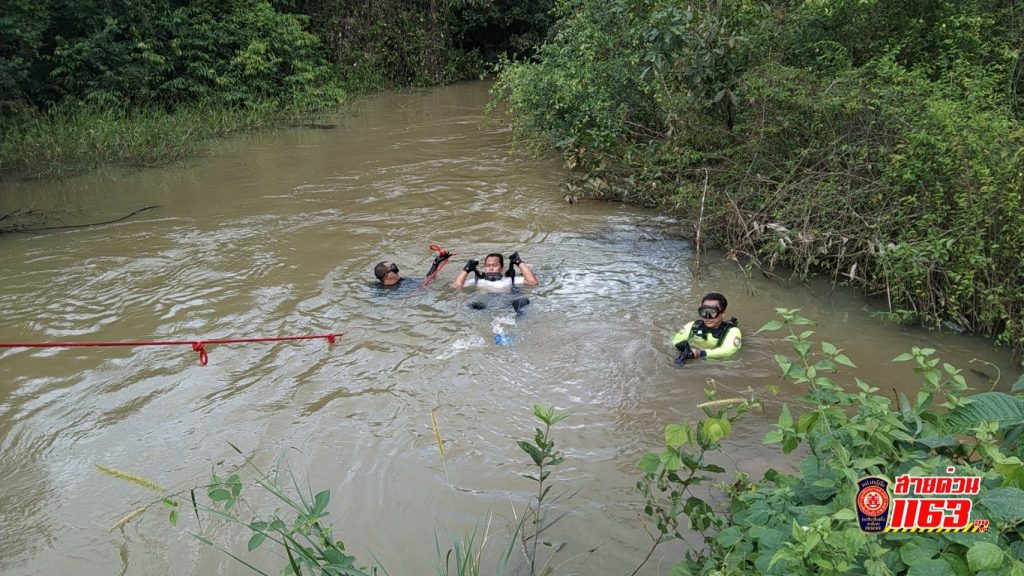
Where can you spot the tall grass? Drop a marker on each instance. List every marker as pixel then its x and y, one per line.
pixel 72 138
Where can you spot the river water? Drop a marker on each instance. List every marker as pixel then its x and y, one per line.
pixel 276 234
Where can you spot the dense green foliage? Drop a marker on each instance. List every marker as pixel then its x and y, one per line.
pixel 144 73
pixel 162 53
pixel 167 52
pixel 397 43
pixel 879 141
pixel 804 522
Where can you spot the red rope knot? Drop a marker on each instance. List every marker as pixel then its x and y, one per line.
pixel 331 339
pixel 203 356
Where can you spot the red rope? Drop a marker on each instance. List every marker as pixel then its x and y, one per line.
pixel 197 345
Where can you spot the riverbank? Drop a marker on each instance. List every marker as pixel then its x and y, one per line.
pixel 783 137
pixel 75 138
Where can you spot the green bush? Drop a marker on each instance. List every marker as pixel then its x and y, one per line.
pixel 804 523
pixel 876 142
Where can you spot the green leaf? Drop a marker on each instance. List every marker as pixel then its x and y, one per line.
pixel 533 451
pixel 829 349
pixel 338 558
pixel 219 494
pixel 789 443
pixel 729 537
pixel 984 556
pixel 934 567
pixel 772 438
pixel 920 550
pixel 822 489
pixel 862 463
pixel 173 517
pixel 716 428
pixel 958 564
pixel 999 407
pixel 559 417
pixel 539 411
pixel 649 463
pixel 785 419
pixel 770 326
pixel 844 514
pixel 671 460
pixel 321 500
pixel 825 365
pixel 844 360
pixel 234 483
pixel 681 568
pixel 807 421
pixel 256 540
pixel 677 435
pixel 1019 385
pixel 903 357
pixel 1004 504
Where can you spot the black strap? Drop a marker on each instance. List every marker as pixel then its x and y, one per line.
pixel 511 272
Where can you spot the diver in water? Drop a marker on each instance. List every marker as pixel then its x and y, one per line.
pixel 387 276
pixel 711 336
pixel 493 281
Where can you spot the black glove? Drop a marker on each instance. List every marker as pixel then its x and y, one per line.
pixel 515 259
pixel 471 266
pixel 685 352
pixel 442 257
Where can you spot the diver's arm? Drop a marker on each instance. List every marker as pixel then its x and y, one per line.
pixel 528 278
pixel 460 280
pixel 683 335
pixel 437 262
pixel 731 342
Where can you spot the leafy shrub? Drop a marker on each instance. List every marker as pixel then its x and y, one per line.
pixel 804 523
pixel 872 141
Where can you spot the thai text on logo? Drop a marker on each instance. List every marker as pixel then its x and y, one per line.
pixel 919 504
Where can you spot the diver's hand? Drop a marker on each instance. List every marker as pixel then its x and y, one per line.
pixel 442 257
pixel 515 259
pixel 471 266
pixel 696 352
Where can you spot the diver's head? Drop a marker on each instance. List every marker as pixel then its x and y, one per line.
pixel 494 263
pixel 387 273
pixel 712 309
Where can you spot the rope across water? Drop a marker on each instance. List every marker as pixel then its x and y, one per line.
pixel 196 345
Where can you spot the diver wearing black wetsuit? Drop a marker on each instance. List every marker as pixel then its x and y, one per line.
pixel 387 276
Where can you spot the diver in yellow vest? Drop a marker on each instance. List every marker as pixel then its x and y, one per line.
pixel 711 336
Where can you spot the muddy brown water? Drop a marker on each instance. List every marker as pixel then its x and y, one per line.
pixel 275 234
